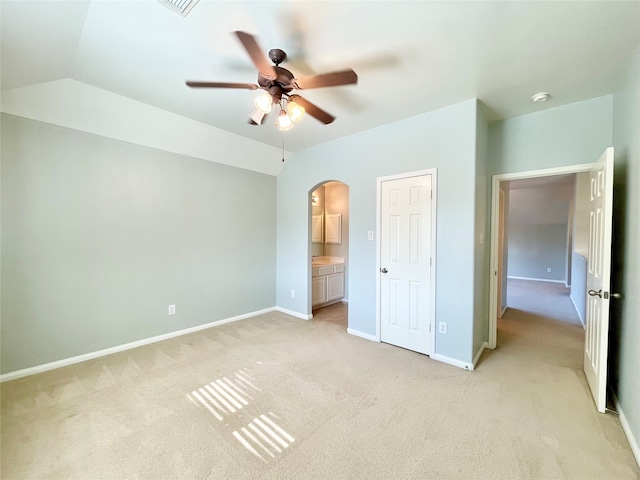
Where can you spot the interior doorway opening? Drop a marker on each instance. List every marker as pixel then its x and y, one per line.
pixel 329 247
pixel 543 241
pixel 529 266
pixel 596 335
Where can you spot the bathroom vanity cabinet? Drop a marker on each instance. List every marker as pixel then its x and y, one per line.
pixel 327 283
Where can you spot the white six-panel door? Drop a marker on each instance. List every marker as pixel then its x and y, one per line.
pixel 405 263
pixel 598 278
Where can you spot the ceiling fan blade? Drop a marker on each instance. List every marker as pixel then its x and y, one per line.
pixel 258 57
pixel 246 86
pixel 333 79
pixel 313 110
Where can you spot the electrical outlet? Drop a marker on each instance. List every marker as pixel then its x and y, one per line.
pixel 293 294
pixel 172 309
pixel 442 328
pixel 548 269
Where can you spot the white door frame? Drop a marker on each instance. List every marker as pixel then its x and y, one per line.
pixel 434 189
pixel 495 212
pixel 500 286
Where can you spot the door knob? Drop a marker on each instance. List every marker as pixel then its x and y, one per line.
pixel 593 293
pixel 384 270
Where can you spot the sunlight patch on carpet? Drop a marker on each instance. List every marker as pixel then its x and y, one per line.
pixel 224 396
pixel 244 378
pixel 264 435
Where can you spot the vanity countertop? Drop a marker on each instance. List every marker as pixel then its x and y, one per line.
pixel 320 261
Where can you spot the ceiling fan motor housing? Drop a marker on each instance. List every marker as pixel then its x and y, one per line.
pixel 277 56
pixel 282 83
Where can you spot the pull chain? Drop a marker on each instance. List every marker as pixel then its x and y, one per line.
pixel 283 149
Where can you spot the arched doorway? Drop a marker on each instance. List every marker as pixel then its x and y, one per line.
pixel 329 219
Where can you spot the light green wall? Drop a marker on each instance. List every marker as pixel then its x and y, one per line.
pixel 535 247
pixel 538 220
pixel 625 318
pixel 99 236
pixel 444 139
pixel 571 134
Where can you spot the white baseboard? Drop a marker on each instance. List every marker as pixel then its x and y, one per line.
pixel 504 309
pixel 537 279
pixel 633 442
pixel 294 314
pixel 578 312
pixel 358 333
pixel 452 361
pixel 127 346
pixel 479 354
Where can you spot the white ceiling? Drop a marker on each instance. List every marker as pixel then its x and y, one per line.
pixel 411 57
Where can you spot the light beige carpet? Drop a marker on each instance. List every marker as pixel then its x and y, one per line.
pixel 274 397
pixel 546 299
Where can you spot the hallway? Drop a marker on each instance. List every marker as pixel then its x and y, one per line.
pixel 542 299
pixel 542 326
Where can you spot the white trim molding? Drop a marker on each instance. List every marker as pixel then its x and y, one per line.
pixel 479 354
pixel 531 279
pixel 366 336
pixel 294 314
pixel 452 361
pixel 121 348
pixel 495 210
pixel 633 441
pixel 580 317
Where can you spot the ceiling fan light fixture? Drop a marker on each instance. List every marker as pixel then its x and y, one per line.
pixel 284 121
pixel 263 103
pixel 296 112
pixel 257 117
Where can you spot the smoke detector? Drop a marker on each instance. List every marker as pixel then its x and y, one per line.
pixel 540 97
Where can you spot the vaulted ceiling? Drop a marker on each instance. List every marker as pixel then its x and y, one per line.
pixel 411 57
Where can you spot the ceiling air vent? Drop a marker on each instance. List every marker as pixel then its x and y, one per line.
pixel 182 7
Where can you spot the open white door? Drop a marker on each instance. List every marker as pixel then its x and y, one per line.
pixel 598 278
pixel 406 246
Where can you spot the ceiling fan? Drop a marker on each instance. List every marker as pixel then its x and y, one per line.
pixel 278 84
